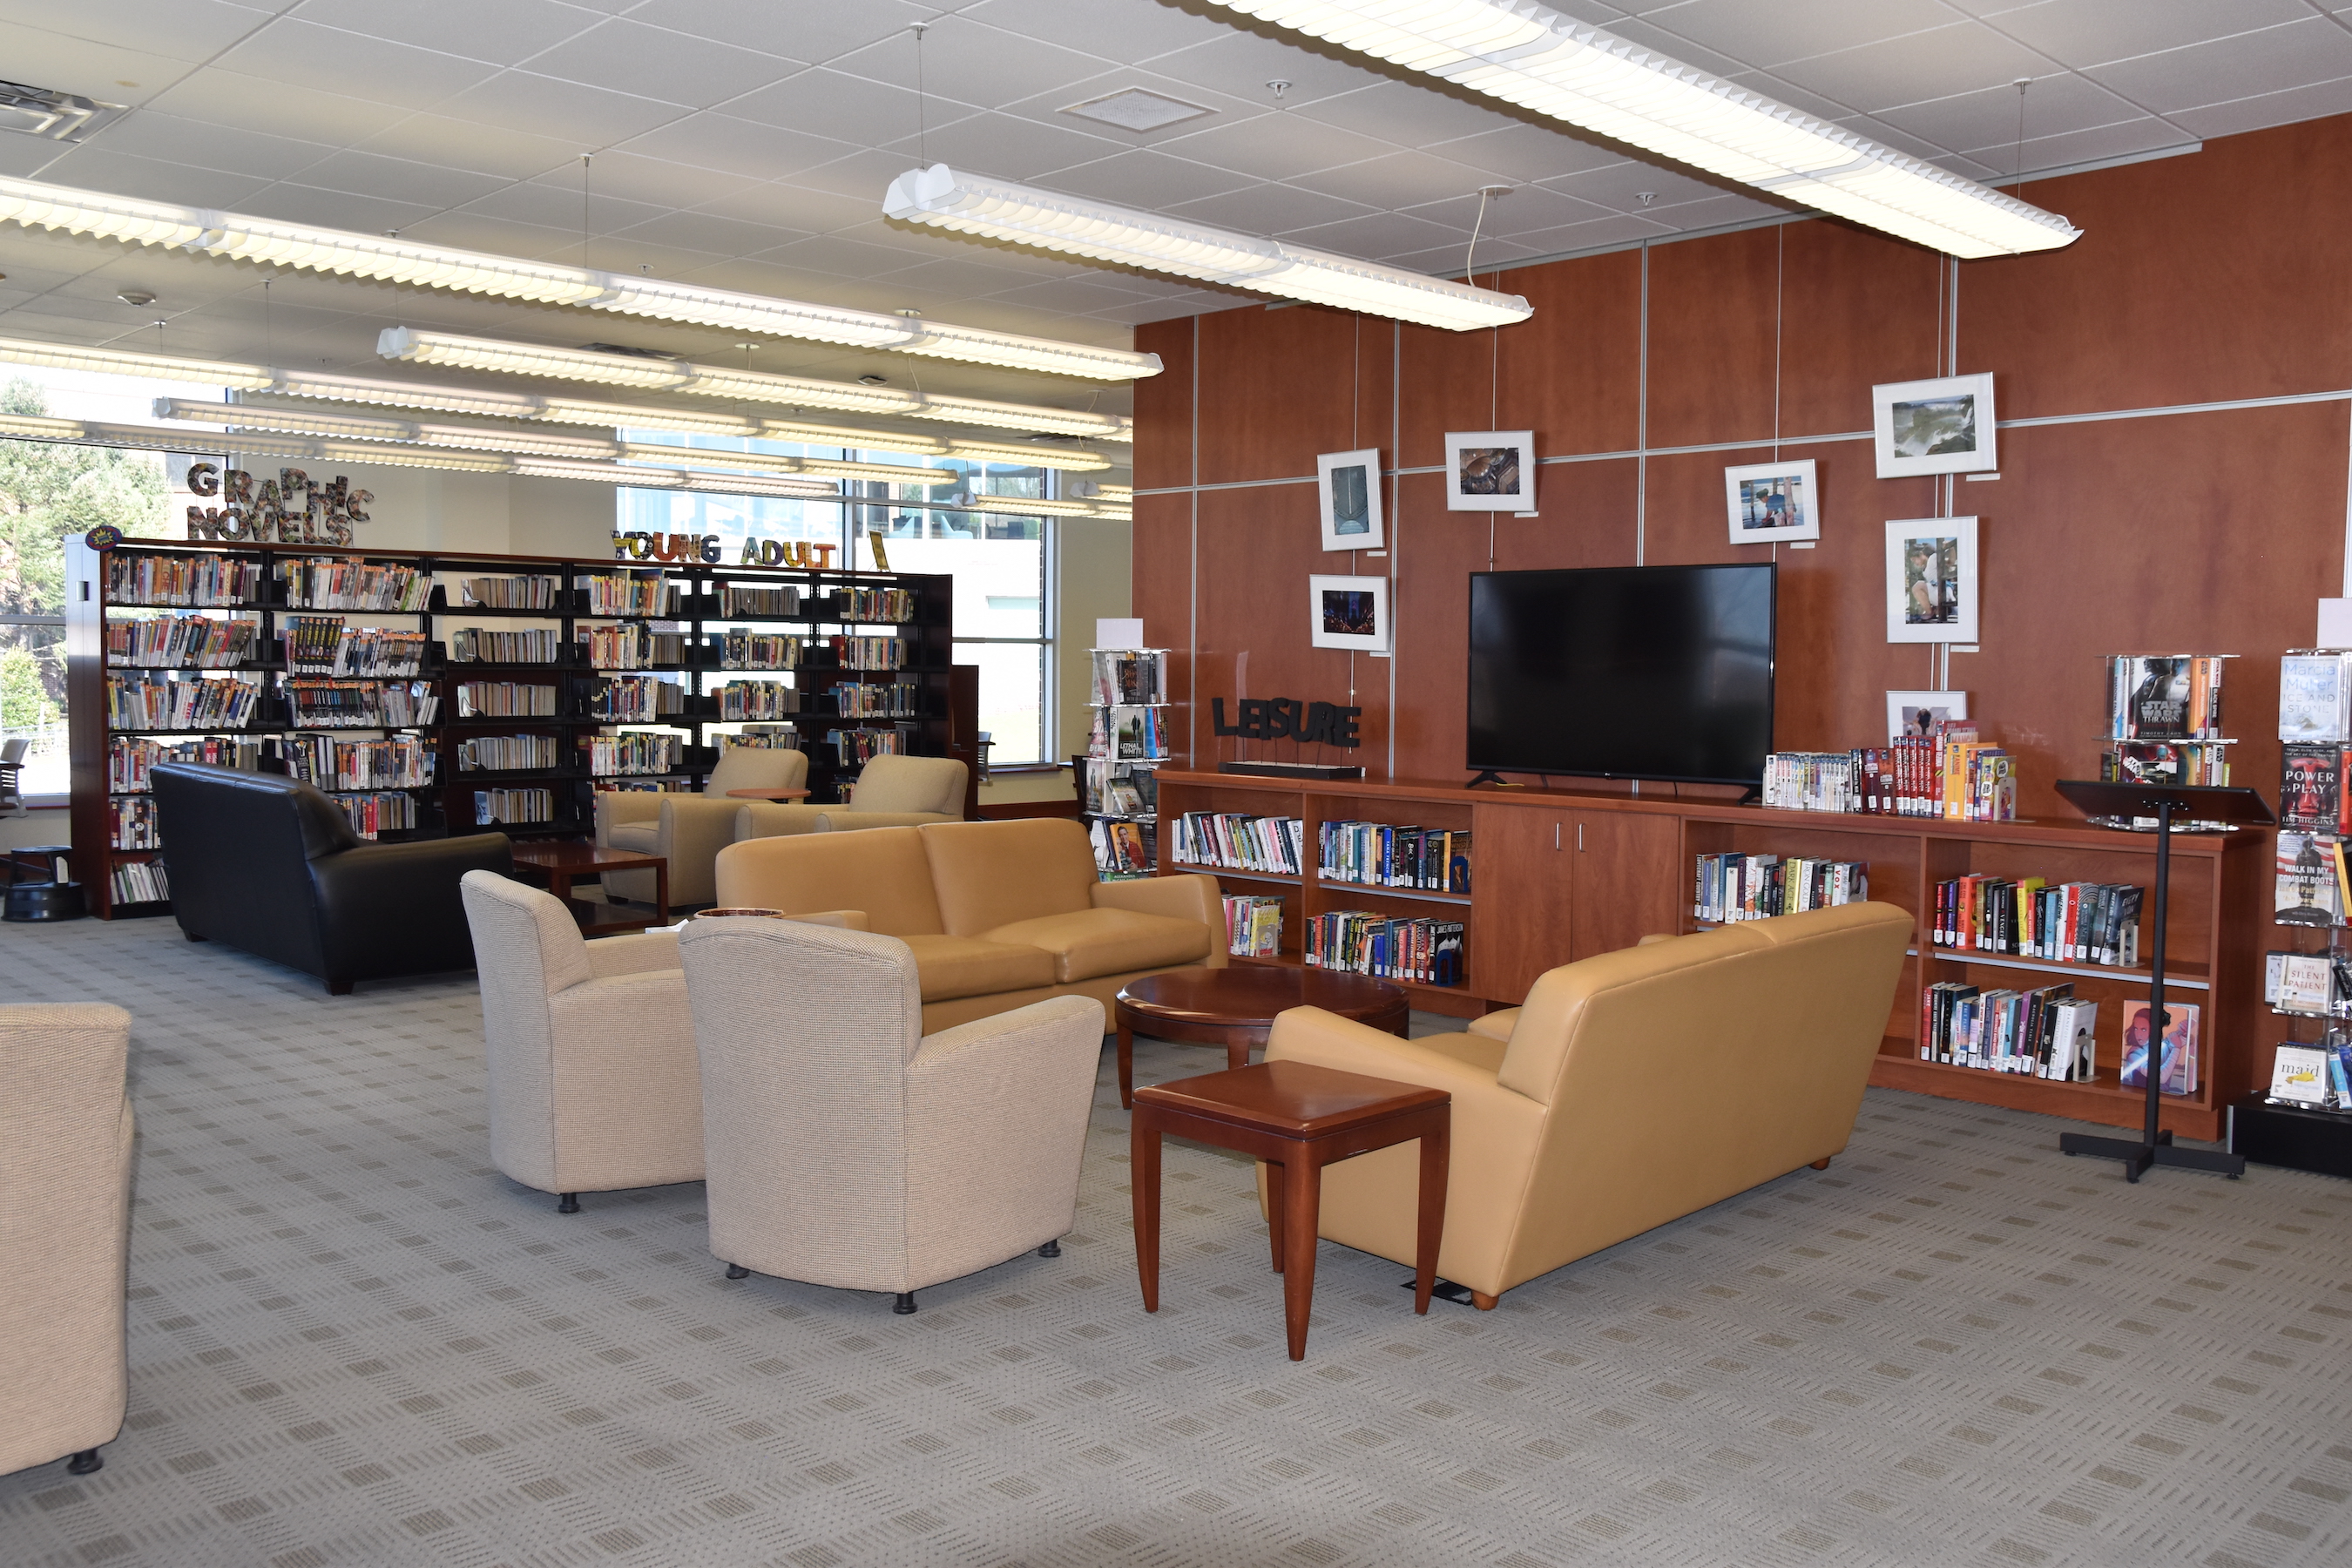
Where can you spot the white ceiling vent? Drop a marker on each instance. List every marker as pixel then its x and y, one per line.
pixel 46 112
pixel 1136 110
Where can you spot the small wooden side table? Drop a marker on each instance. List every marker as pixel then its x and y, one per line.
pixel 767 795
pixel 563 864
pixel 1234 1007
pixel 1298 1117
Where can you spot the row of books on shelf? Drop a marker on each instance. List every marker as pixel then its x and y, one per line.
pixel 2072 922
pixel 139 882
pixel 513 699
pixel 362 704
pixel 169 701
pixel 772 737
pixel 1119 789
pixel 856 748
pixel 1387 855
pixel 634 751
pixel 741 699
pixel 130 759
pixel 874 700
pixel 397 762
pixel 1365 942
pixel 533 645
pixel 632 593
pixel 324 644
pixel 1122 848
pixel 1130 734
pixel 630 699
pixel 201 642
pixel 2197 763
pixel 1129 677
pixel 522 804
pixel 864 605
pixel 374 814
pixel 507 753
pixel 2040 1033
pixel 2309 985
pixel 2314 1076
pixel 184 580
pixel 328 583
pixel 2165 696
pixel 782 601
pixel 2313 883
pixel 1949 774
pixel 1253 925
pixel 632 646
pixel 1737 886
pixel 535 591
pixel 1235 842
pixel 739 649
pixel 130 823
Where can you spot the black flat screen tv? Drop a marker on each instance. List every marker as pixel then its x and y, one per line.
pixel 1627 672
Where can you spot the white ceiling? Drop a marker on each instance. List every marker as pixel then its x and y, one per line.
pixel 745 144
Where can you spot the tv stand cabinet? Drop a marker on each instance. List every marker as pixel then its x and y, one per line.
pixel 1561 875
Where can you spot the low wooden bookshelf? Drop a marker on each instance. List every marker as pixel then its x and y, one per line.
pixel 1560 875
pixel 695 608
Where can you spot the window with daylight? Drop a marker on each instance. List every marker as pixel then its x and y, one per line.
pixel 997 558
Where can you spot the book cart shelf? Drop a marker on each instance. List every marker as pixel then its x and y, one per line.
pixel 1635 856
pixel 693 603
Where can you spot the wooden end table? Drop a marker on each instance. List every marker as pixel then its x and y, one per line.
pixel 1298 1117
pixel 767 795
pixel 1234 1007
pixel 562 864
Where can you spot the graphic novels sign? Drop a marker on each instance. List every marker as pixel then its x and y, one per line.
pixel 288 509
pixel 1288 719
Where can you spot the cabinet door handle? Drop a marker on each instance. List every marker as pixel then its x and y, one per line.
pixel 1579 839
pixel 1555 836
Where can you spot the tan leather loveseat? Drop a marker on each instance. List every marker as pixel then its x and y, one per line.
pixel 1633 1088
pixel 999 914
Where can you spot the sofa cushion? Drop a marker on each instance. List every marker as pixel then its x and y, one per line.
pixel 991 874
pixel 883 872
pixel 954 966
pixel 1087 943
pixel 642 838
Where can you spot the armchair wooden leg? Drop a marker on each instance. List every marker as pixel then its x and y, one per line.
pixel 1823 1162
pixel 570 1203
pixel 86 1463
pixel 1483 1301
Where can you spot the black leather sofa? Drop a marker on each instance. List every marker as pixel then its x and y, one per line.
pixel 270 865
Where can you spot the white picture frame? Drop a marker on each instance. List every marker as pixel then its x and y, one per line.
pixel 1502 459
pixel 1931 580
pixel 1772 503
pixel 1943 426
pixel 1349 612
pixel 1915 712
pixel 1348 496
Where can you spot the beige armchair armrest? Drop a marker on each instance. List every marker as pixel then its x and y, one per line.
pixel 647 952
pixel 618 805
pixel 775 819
pixel 843 919
pixel 695 828
pixel 841 819
pixel 1189 896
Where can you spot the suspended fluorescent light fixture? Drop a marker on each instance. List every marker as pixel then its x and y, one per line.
pixel 1526 55
pixel 1000 209
pixel 269 242
pixel 650 375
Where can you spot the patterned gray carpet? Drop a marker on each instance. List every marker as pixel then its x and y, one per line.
pixel 353 1342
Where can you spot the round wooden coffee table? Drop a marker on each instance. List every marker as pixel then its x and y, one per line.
pixel 1234 1007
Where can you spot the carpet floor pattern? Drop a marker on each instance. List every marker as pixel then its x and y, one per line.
pixel 353 1342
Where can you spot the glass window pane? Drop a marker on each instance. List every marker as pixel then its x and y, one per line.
pixel 1011 698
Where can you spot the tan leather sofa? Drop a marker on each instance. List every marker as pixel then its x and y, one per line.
pixel 1632 1088
pixel 892 792
pixel 999 914
pixel 689 830
pixel 65 1232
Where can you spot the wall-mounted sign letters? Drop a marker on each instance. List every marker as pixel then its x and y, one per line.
pixel 288 509
pixel 704 547
pixel 1288 719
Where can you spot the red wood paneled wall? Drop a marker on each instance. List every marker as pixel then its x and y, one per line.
pixel 2212 277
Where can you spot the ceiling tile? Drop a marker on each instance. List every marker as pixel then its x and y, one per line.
pixel 556 202
pixel 42 58
pixel 186 30
pixel 862 176
pixel 1520 153
pixel 1135 31
pixel 2142 135
pixel 657 63
pixel 657 181
pixel 1601 232
pixel 290 109
pixel 870 114
pixel 1961 57
pixel 592 118
pixel 2268 109
pixel 1989 117
pixel 291 203
pixel 1239 64
pixel 468 144
pixel 1274 147
pixel 151 133
pixel 705 233
pixel 2298 54
pixel 1769 32
pixel 1619 186
pixel 398 179
pixel 92 167
pixel 734 146
pixel 505 33
pixel 2090 32
pixel 1375 235
pixel 1401 180
pixel 1521 210
pixel 1409 115
pixel 1013 147
pixel 1147 178
pixel 964 62
pixel 376 70
pixel 812 30
pixel 1269 210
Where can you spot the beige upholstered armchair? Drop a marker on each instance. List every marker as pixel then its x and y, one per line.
pixel 1633 1088
pixel 65 1232
pixel 893 792
pixel 590 1047
pixel 844 1146
pixel 689 830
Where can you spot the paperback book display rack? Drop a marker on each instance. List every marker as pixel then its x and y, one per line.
pixel 1558 875
pixel 435 693
pixel 1117 780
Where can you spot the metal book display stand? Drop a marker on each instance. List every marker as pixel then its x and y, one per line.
pixel 2170 806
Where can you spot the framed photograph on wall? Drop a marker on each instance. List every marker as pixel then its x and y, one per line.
pixel 1350 613
pixel 1940 427
pixel 1490 470
pixel 1931 580
pixel 1912 713
pixel 1769 502
pixel 1348 487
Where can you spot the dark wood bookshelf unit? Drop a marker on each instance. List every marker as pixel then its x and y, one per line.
pixel 1559 875
pixel 447 805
